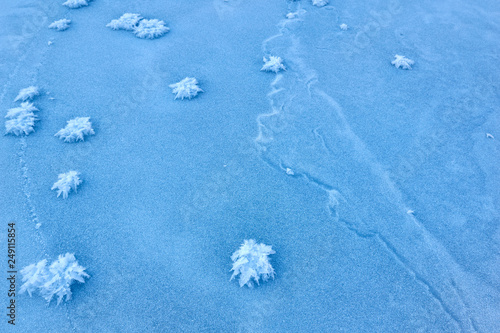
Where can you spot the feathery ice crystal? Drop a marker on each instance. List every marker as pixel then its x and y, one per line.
pixel 251 261
pixel 76 129
pixel 60 25
pixel 343 26
pixel 402 62
pixel 27 94
pixel 273 64
pixel 21 119
pixel 127 21
pixel 76 3
pixel 186 88
pixel 151 29
pixel 67 181
pixel 55 280
pixel 320 3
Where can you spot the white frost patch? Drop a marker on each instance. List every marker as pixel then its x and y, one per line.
pixel 289 172
pixel 49 42
pixel 60 25
pixel 273 64
pixel 55 280
pixel 410 212
pixel 251 261
pixel 186 88
pixel 21 119
pixel 151 29
pixel 343 26
pixel 402 62
pixel 127 21
pixel 27 94
pixel 320 3
pixel 76 130
pixel 489 136
pixel 67 181
pixel 76 3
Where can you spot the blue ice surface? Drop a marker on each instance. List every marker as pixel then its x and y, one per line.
pixel 172 188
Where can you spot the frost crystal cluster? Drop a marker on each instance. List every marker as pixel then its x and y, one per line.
pixel 27 94
pixel 251 261
pixel 76 129
pixel 127 21
pixel 67 181
pixel 60 25
pixel 320 3
pixel 402 62
pixel 343 26
pixel 273 64
pixel 21 120
pixel 186 88
pixel 151 29
pixel 55 280
pixel 76 3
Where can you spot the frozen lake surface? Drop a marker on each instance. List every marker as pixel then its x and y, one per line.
pixel 377 187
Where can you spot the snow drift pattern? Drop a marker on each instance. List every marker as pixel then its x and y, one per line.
pixel 151 29
pixel 186 88
pixel 67 181
pixel 55 280
pixel 320 3
pixel 76 129
pixel 60 25
pixel 127 21
pixel 76 3
pixel 251 261
pixel 27 94
pixel 273 64
pixel 21 119
pixel 402 62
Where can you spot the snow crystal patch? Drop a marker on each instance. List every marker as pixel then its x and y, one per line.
pixel 251 261
pixel 343 26
pixel 67 181
pixel 187 88
pixel 151 29
pixel 76 3
pixel 127 21
pixel 76 129
pixel 402 62
pixel 320 3
pixel 27 94
pixel 60 25
pixel 273 64
pixel 21 119
pixel 55 280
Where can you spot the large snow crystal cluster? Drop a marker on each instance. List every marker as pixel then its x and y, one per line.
pixel 320 3
pixel 186 88
pixel 251 261
pixel 127 21
pixel 76 3
pixel 141 27
pixel 60 25
pixel 21 120
pixel 76 129
pixel 27 94
pixel 273 64
pixel 402 62
pixel 67 181
pixel 55 280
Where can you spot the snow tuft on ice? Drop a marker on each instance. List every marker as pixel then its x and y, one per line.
pixel 273 64
pixel 76 130
pixel 187 88
pixel 76 3
pixel 60 25
pixel 151 29
pixel 27 94
pixel 127 21
pixel 67 181
pixel 21 119
pixel 251 261
pixel 402 62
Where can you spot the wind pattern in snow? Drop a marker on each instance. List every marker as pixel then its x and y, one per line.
pixel 127 21
pixel 251 261
pixel 76 130
pixel 273 64
pixel 55 280
pixel 27 94
pixel 76 3
pixel 402 62
pixel 187 88
pixel 67 181
pixel 60 25
pixel 320 3
pixel 21 120
pixel 151 29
